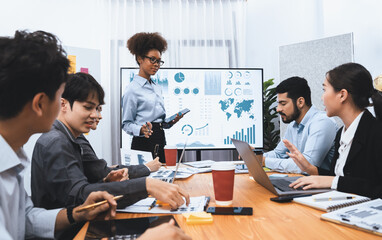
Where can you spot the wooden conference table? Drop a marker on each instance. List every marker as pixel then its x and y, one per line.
pixel 270 220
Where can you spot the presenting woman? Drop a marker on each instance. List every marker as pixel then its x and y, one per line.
pixel 357 163
pixel 143 109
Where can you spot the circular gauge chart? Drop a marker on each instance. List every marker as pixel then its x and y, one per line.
pixel 229 74
pixel 228 92
pixel 195 91
pixel 177 91
pixel 238 92
pixel 187 129
pixel 186 91
pixel 179 77
pixel 247 74
pixel 238 74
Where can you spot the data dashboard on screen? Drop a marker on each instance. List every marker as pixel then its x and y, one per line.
pixel 223 103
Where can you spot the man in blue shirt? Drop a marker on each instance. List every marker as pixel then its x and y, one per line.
pixel 309 129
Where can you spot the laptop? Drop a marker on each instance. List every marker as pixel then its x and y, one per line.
pixel 169 175
pixel 278 186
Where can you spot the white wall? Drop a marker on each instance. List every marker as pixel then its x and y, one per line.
pixel 275 23
pixel 364 19
pixel 77 23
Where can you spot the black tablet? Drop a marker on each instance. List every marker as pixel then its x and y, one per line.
pixel 170 119
pixel 130 228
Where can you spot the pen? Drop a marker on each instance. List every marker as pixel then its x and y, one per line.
pixel 153 204
pixel 156 149
pixel 333 198
pixel 148 127
pixel 97 204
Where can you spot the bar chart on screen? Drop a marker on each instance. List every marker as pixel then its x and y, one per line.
pixel 247 135
pixel 202 131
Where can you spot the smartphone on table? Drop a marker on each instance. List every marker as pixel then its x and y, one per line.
pixel 230 210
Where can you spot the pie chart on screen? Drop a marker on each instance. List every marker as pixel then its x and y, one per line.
pixel 179 77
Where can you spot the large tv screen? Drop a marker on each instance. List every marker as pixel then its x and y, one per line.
pixel 224 104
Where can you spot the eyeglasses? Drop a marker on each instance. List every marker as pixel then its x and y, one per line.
pixel 153 60
pixel 99 110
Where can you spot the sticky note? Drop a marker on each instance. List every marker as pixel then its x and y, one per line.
pixel 84 70
pixel 198 218
pixel 267 169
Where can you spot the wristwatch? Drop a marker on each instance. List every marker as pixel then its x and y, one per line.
pixel 69 213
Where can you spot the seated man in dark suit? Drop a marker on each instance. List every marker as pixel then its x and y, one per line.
pixel 96 169
pixel 58 175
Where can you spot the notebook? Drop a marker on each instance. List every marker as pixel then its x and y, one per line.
pixel 331 201
pixel 365 216
pixel 150 205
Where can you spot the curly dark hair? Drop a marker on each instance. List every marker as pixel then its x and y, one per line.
pixel 141 43
pixel 30 63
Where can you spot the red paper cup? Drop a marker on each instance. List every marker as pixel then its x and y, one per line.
pixel 170 153
pixel 223 175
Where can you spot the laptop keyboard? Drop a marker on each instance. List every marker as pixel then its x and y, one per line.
pixel 283 185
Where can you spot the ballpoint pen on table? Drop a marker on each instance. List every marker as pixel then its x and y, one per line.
pixel 333 198
pixel 153 204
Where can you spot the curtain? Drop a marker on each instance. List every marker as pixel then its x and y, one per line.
pixel 200 33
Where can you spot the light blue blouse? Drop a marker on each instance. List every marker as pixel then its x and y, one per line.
pixel 142 102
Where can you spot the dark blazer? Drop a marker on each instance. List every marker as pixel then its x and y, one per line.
pixel 96 169
pixel 363 167
pixel 58 178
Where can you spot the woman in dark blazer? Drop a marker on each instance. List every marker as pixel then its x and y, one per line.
pixel 357 163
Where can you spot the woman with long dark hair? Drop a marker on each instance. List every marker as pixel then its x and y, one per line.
pixel 357 163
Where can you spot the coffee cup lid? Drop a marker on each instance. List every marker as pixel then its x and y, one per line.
pixel 170 147
pixel 223 166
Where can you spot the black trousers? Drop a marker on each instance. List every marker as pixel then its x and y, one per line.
pixel 148 144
